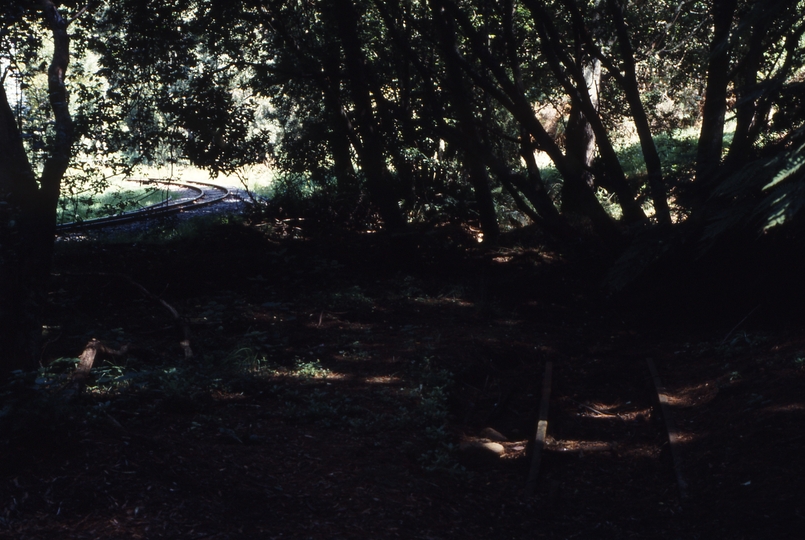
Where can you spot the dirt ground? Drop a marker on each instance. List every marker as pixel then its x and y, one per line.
pixel 336 382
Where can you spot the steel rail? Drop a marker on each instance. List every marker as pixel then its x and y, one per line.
pixel 670 428
pixel 660 405
pixel 201 198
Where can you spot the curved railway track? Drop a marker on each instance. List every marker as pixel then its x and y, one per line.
pixel 201 194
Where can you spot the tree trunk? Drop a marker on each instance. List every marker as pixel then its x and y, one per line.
pixel 579 137
pixel 745 109
pixel 28 212
pixel 513 98
pixel 370 151
pixel 571 76
pixel 471 139
pixel 20 275
pixel 534 190
pixel 708 152
pixel 339 142
pixel 631 91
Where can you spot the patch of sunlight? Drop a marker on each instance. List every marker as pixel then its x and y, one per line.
pixel 693 395
pixel 610 412
pixel 385 379
pixel 257 178
pixel 475 232
pixel 791 407
pixel 220 395
pixel 303 370
pixel 301 376
pixel 575 446
pixel 443 301
pixel 686 437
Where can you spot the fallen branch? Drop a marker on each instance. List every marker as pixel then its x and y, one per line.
pixel 87 359
pixel 723 341
pixel 181 324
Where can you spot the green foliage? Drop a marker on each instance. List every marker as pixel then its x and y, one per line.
pixel 422 405
pixel 764 194
pixel 676 150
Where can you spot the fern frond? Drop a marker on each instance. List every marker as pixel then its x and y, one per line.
pixel 792 163
pixel 782 205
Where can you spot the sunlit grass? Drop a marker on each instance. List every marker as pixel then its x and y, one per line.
pixel 257 178
pixel 118 197
pixel 118 194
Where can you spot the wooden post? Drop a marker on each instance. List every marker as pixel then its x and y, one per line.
pixel 542 430
pixel 670 426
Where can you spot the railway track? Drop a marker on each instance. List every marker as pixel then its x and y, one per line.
pixel 192 195
pixel 611 427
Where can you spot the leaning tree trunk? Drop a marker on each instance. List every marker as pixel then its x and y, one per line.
pixel 575 79
pixel 579 137
pixel 28 212
pixel 631 91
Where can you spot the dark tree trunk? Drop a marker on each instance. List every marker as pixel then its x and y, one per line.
pixel 746 106
pixel 397 140
pixel 572 78
pixel 755 98
pixel 370 150
pixel 534 190
pixel 708 152
pixel 21 274
pixel 512 97
pixel 580 139
pixel 339 142
pixel 28 212
pixel 471 139
pixel 631 91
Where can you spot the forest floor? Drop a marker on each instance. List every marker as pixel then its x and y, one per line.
pixel 337 381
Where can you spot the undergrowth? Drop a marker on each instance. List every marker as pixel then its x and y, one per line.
pixel 45 405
